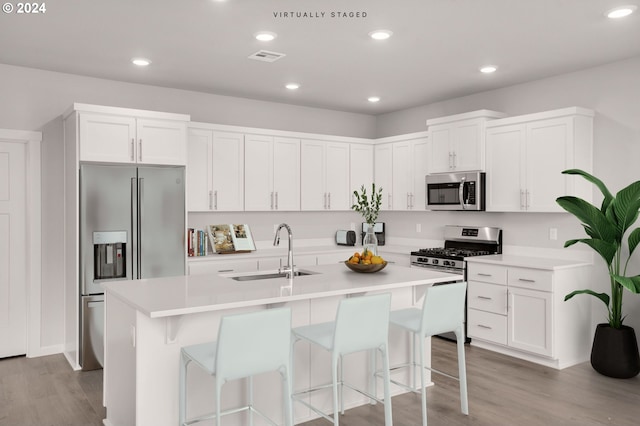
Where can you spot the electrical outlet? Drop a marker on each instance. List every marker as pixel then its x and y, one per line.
pixel 418 227
pixel 553 233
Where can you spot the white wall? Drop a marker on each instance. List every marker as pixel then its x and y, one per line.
pixel 613 91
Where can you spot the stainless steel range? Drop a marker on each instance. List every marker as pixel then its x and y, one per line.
pixel 460 242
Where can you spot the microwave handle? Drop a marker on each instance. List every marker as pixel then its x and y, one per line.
pixel 461 193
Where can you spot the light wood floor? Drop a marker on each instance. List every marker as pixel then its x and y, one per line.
pixel 502 391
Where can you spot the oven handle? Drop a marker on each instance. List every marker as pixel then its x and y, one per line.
pixel 461 193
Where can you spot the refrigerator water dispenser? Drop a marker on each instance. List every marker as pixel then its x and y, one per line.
pixel 109 255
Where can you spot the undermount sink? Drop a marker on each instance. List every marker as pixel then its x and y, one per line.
pixel 268 275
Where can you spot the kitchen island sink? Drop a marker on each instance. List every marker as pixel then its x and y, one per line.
pixel 268 275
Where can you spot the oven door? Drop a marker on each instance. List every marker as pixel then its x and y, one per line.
pixel 455 191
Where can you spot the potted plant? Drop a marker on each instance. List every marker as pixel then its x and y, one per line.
pixel 615 349
pixel 369 209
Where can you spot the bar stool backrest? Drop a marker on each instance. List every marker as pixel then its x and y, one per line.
pixel 253 343
pixel 443 308
pixel 362 323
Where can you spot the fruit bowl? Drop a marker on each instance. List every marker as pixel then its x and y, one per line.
pixel 358 267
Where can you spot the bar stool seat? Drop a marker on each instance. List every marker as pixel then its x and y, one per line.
pixel 362 324
pixel 248 345
pixel 442 311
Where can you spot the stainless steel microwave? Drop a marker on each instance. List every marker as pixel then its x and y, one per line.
pixel 455 191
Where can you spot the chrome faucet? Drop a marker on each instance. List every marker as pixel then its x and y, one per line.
pixel 288 269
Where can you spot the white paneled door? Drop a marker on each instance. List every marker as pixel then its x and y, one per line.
pixel 13 237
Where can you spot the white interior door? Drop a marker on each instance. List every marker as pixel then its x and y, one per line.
pixel 13 235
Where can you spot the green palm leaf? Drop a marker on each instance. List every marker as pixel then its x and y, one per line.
pixel 634 240
pixel 601 228
pixel 602 296
pixel 626 206
pixel 608 197
pixel 604 248
pixel 630 283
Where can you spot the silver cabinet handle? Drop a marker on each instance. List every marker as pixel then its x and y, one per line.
pixel 276 200
pixel 480 274
pixel 485 298
pixel 389 201
pixel 527 203
pixel 455 159
pixel 329 202
pixel 408 202
pixel 526 280
pixel 140 150
pixel 133 149
pixel 271 200
pixel 324 201
pixel 522 207
pixel 485 326
pixel 215 200
pixel 450 160
pixel 210 200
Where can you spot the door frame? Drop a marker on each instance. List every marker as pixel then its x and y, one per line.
pixel 33 307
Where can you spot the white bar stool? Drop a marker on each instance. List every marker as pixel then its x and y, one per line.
pixel 362 324
pixel 442 311
pixel 248 344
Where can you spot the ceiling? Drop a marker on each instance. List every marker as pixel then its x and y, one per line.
pixel 434 54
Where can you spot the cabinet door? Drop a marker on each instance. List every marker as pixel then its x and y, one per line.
pixel 402 176
pixel 468 147
pixel 107 138
pixel 361 168
pixel 161 142
pixel 199 170
pixel 258 173
pixel 547 153
pixel 227 171
pixel 530 319
pixel 337 176
pixel 383 171
pixel 441 155
pixel 313 193
pixel 286 173
pixel 505 156
pixel 420 157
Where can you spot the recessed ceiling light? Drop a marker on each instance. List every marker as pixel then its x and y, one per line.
pixel 621 11
pixel 380 34
pixel 488 69
pixel 265 36
pixel 373 99
pixel 292 86
pixel 141 62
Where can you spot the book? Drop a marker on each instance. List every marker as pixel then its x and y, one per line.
pixel 197 242
pixel 231 238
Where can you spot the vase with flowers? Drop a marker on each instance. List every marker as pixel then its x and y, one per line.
pixel 369 207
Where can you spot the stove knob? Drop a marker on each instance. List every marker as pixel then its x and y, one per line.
pixel 434 261
pixel 445 263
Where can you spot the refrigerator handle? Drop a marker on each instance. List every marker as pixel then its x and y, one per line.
pixel 140 219
pixel 134 226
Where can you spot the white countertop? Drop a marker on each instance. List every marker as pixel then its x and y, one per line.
pixel 170 296
pixel 528 262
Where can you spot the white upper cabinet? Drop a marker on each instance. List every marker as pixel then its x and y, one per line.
pixel 526 155
pixel 361 170
pixel 215 170
pixel 457 141
pixel 325 175
pixel 272 173
pixel 383 173
pixel 400 168
pixel 119 135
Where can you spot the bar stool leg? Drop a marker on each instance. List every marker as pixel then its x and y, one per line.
pixel 388 418
pixel 334 374
pixel 373 382
pixel 462 373
pixel 341 385
pixel 250 398
pixel 182 416
pixel 422 383
pixel 218 400
pixel 286 395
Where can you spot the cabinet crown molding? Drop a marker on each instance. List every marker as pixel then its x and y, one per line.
pixel 138 113
pixel 555 113
pixel 481 113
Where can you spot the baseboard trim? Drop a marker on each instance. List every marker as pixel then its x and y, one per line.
pixel 45 351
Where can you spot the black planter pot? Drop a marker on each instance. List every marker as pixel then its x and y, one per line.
pixel 615 352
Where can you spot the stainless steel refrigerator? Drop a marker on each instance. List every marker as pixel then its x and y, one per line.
pixel 132 226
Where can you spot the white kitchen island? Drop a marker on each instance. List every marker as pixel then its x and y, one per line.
pixel 148 321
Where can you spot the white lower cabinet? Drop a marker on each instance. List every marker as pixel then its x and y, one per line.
pixel 521 312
